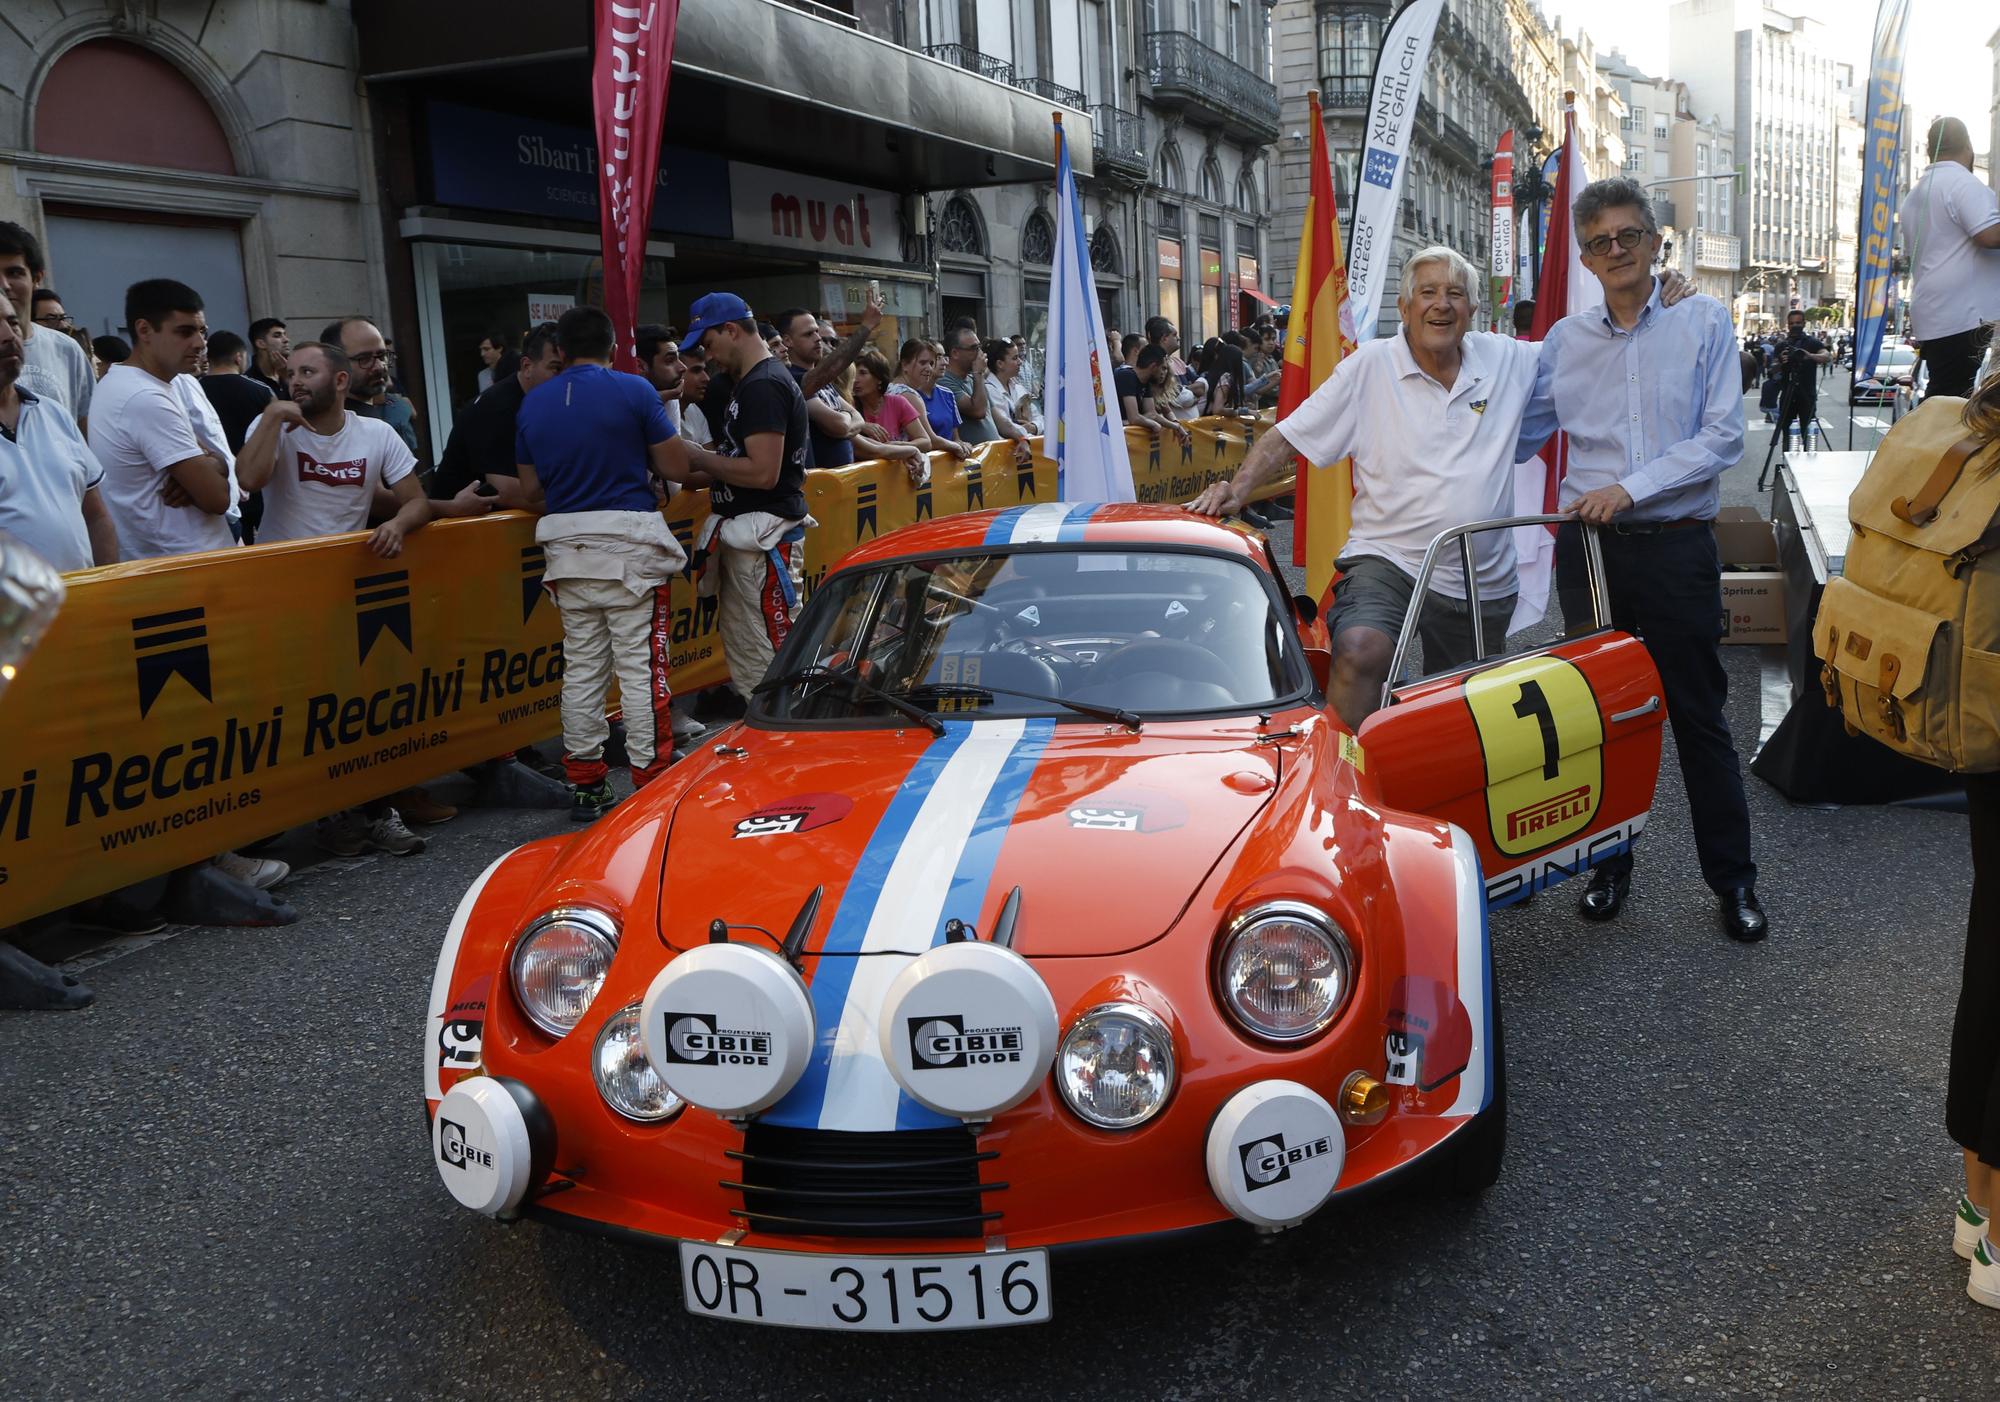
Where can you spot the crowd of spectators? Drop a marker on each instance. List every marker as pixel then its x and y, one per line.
pixel 178 437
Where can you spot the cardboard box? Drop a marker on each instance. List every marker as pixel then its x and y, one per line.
pixel 1753 588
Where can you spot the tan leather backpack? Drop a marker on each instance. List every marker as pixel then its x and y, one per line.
pixel 1910 632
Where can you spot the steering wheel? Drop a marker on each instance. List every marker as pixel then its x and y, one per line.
pixel 1190 661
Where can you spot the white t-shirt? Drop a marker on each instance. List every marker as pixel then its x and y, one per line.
pixel 138 429
pixel 209 432
pixel 324 484
pixel 1426 458
pixel 45 470
pixel 1954 284
pixel 54 368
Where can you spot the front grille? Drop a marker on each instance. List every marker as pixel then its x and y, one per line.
pixel 903 1183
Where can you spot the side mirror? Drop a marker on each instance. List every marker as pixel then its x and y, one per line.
pixel 1306 609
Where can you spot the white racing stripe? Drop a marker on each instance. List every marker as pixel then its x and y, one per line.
pixel 861 1094
pixel 1039 524
pixel 441 980
pixel 1473 958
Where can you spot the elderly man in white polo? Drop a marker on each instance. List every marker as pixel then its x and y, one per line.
pixel 1430 416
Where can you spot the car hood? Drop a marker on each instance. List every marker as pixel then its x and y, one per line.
pixel 1107 833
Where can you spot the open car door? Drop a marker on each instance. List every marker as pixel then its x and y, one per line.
pixel 1547 757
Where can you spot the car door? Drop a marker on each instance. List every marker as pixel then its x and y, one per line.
pixel 1547 755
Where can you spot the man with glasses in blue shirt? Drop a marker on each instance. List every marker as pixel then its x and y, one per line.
pixel 1651 398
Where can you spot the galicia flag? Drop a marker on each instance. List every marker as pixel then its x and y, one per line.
pixel 1084 433
pixel 1564 288
pixel 629 68
pixel 1320 332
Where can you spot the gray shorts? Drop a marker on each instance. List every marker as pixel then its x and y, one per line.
pixel 1373 593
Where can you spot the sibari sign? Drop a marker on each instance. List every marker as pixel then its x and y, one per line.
pixel 786 210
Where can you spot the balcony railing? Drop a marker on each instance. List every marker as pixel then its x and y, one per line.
pixel 1119 139
pixel 1339 95
pixel 1054 92
pixel 972 61
pixel 1189 74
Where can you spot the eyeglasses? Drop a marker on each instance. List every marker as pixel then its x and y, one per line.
pixel 56 322
pixel 379 357
pixel 1625 238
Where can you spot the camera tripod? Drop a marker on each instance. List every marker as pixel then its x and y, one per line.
pixel 1791 410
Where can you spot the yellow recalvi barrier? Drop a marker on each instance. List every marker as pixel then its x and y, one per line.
pixel 183 707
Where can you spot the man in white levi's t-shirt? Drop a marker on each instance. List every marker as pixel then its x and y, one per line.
pixel 330 462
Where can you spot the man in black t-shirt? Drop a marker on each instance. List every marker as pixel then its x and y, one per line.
pixel 480 451
pixel 839 433
pixel 758 496
pixel 1799 359
pixel 237 400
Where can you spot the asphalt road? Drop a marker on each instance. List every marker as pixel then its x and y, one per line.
pixel 1726 1175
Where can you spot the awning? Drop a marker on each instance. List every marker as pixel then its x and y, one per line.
pixel 766 83
pixel 1259 295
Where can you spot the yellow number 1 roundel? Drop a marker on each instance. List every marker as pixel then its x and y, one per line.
pixel 1543 742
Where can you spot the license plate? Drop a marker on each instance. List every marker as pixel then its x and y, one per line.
pixel 881 1293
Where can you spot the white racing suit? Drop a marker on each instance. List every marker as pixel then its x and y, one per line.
pixel 758 566
pixel 608 573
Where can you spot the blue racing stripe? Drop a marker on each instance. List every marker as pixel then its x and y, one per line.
pixel 1000 531
pixel 965 898
pixel 1079 516
pixel 801 1105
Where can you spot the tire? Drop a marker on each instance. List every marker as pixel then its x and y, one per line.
pixel 1474 1154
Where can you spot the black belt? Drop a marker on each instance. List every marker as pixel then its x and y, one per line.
pixel 1685 523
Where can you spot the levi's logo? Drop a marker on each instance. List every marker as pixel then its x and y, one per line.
pixel 1859 645
pixel 334 474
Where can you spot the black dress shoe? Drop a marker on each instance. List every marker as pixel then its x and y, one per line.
pixel 1742 918
pixel 1605 896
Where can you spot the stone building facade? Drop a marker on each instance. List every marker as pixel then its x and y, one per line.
pixel 222 142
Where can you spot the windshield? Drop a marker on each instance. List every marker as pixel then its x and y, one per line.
pixel 1057 633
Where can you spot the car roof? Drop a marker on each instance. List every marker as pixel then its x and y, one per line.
pixel 1112 523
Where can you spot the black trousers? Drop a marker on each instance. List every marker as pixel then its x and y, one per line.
pixel 1667 589
pixel 1798 406
pixel 1972 1089
pixel 1954 360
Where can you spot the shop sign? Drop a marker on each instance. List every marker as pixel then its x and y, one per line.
pixel 787 210
pixel 548 306
pixel 1170 258
pixel 501 161
pixel 1211 268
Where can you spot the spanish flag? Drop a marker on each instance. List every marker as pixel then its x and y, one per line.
pixel 1320 333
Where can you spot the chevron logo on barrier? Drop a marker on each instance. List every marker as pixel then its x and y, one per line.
pixel 533 563
pixel 975 489
pixel 382 605
pixel 925 511
pixel 864 510
pixel 171 645
pixel 1024 479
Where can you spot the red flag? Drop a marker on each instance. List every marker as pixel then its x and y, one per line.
pixel 1321 331
pixel 630 64
pixel 1564 288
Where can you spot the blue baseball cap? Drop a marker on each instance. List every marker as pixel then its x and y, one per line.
pixel 711 311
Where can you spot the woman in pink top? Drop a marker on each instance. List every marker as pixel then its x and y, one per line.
pixel 909 434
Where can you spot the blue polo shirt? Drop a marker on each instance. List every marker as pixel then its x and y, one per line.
pixel 586 433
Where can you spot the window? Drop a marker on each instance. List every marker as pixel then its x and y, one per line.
pixel 1104 251
pixel 1349 36
pixel 1246 193
pixel 1038 240
pixel 1171 174
pixel 1211 181
pixel 959 229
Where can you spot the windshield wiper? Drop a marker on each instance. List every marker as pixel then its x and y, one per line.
pixel 852 678
pixel 1116 715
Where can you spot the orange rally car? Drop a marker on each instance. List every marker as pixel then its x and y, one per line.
pixel 1040 900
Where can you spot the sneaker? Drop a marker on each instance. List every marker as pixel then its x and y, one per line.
pixel 1968 1225
pixel 340 834
pixel 591 801
pixel 259 873
pixel 417 806
pixel 686 727
pixel 1984 1282
pixel 112 916
pixel 387 834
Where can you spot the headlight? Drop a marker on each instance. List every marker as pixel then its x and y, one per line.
pixel 1116 1066
pixel 1285 971
pixel 560 963
pixel 625 1079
